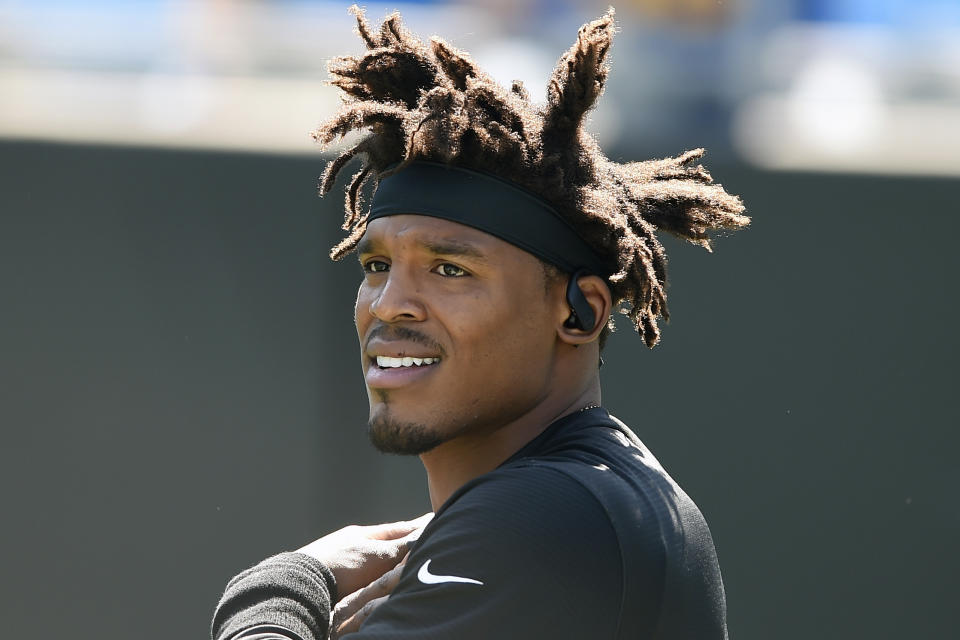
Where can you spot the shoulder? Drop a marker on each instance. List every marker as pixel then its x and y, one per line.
pixel 529 499
pixel 526 553
pixel 528 547
pixel 526 525
pixel 594 483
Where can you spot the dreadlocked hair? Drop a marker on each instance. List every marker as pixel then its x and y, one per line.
pixel 431 102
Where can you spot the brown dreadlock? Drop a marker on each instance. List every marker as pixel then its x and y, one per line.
pixel 432 103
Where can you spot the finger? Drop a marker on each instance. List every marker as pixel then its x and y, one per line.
pixel 414 535
pixel 394 530
pixel 408 541
pixel 394 549
pixel 353 623
pixel 382 586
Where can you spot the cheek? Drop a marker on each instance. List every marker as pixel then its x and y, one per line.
pixel 510 375
pixel 528 345
pixel 361 309
pixel 513 344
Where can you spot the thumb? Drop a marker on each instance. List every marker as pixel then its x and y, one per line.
pixel 394 530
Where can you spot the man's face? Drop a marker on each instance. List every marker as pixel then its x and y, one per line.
pixel 473 310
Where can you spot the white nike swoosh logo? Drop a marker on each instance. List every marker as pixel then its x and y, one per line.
pixel 428 578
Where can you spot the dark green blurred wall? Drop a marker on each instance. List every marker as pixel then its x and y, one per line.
pixel 180 393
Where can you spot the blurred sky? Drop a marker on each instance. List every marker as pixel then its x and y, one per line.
pixel 845 85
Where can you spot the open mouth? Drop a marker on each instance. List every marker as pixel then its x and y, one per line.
pixel 387 362
pixel 394 372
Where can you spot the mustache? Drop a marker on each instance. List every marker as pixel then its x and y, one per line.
pixel 390 333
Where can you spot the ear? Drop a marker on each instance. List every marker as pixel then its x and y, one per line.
pixel 597 294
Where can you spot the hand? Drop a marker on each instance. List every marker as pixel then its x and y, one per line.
pixel 358 555
pixel 352 610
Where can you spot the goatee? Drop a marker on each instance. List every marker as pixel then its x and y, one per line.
pixel 402 438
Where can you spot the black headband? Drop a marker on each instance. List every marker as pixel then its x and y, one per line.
pixel 487 203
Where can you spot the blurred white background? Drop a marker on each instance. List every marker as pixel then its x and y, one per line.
pixel 845 85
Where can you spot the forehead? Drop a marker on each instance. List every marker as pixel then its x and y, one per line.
pixel 435 235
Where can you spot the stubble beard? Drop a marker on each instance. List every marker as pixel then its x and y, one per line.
pixel 390 435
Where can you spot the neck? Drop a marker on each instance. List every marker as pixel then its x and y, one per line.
pixel 454 463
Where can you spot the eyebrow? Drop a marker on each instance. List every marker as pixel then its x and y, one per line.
pixel 450 247
pixel 438 247
pixel 366 245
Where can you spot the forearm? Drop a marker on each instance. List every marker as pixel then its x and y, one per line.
pixel 286 596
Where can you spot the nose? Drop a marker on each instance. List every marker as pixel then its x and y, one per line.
pixel 397 299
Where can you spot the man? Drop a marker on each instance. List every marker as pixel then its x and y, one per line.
pixel 497 243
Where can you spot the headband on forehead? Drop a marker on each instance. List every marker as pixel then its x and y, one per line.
pixel 487 203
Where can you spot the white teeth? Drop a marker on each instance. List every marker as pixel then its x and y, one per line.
pixel 386 362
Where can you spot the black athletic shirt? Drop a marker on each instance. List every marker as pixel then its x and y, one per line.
pixel 580 534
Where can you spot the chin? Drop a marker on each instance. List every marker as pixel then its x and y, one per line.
pixel 391 435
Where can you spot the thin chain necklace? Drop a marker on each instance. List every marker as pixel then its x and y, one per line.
pixel 589 406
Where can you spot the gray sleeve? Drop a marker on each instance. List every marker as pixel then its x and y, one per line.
pixel 286 597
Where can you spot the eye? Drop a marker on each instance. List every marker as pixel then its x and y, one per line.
pixel 375 266
pixel 450 270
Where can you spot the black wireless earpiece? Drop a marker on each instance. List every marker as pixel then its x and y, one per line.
pixel 581 316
